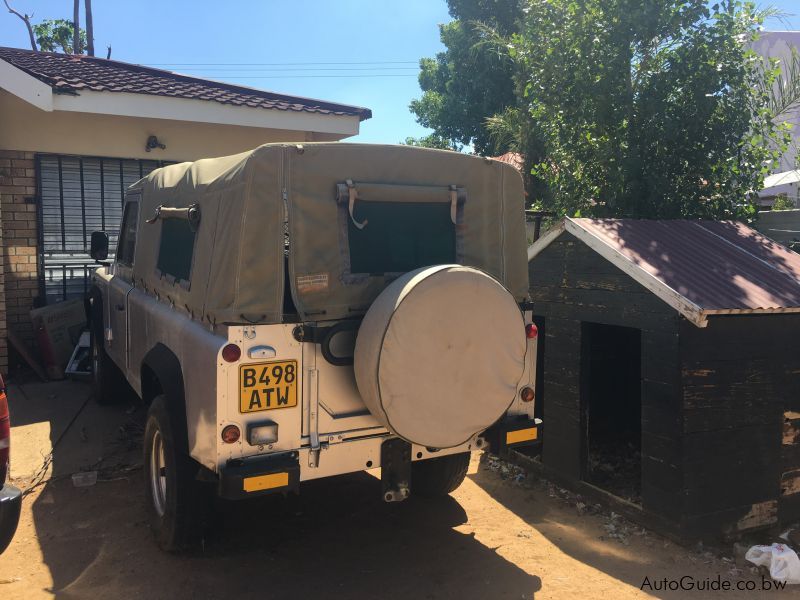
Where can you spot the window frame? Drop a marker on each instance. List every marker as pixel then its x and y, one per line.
pixel 132 208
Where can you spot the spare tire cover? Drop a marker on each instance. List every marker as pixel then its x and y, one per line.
pixel 439 354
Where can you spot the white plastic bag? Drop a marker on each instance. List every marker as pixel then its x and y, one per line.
pixel 783 563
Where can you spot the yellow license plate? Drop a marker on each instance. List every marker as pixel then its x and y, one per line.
pixel 266 386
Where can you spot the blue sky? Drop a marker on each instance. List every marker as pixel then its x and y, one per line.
pixel 234 41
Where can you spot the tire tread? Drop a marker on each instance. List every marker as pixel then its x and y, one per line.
pixel 439 476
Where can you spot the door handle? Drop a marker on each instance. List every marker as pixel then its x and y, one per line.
pixel 120 307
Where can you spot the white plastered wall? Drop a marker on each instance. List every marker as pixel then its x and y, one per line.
pixel 25 127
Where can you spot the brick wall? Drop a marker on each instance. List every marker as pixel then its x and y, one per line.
pixel 18 239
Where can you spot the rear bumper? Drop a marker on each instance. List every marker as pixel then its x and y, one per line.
pixel 259 476
pixel 513 432
pixel 10 507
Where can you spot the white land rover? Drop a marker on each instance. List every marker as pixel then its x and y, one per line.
pixel 304 311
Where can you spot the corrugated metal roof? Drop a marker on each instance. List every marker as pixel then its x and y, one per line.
pixel 700 267
pixel 784 178
pixel 70 73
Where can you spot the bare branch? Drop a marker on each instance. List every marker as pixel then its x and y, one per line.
pixel 76 27
pixel 25 19
pixel 87 6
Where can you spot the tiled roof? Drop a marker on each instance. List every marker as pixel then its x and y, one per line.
pixel 512 158
pixel 68 73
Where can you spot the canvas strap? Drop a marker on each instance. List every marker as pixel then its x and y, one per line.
pixel 353 196
pixel 190 213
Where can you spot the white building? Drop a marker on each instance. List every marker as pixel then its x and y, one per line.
pixel 779 44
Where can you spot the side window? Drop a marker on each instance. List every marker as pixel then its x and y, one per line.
pixel 176 249
pixel 126 247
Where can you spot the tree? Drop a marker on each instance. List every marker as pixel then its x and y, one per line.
pixel 783 202
pixel 54 35
pixel 76 28
pixel 432 141
pixel 647 108
pixel 89 28
pixel 471 80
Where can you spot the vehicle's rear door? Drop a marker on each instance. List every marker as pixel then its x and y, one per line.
pixel 341 409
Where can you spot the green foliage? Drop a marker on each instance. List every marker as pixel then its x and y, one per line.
pixel 627 108
pixel 647 108
pixel 472 80
pixel 783 90
pixel 783 202
pixel 56 35
pixel 432 141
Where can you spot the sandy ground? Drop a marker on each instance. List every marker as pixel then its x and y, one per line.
pixel 500 535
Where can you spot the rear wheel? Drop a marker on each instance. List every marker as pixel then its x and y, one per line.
pixel 177 503
pixel 439 476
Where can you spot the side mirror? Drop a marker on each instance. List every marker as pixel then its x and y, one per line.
pixel 99 245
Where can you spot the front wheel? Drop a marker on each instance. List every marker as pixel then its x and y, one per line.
pixel 176 501
pixel 439 476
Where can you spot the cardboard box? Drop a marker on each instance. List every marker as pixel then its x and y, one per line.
pixel 58 328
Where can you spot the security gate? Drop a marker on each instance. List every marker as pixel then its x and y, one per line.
pixel 79 195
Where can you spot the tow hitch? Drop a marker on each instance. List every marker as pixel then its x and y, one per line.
pixel 395 470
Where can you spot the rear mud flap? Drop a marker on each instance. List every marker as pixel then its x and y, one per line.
pixel 395 470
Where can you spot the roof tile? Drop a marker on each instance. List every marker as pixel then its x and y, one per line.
pixel 76 72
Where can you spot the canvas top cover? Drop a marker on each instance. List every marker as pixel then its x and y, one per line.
pixel 221 238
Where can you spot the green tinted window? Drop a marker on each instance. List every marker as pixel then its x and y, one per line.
pixel 401 237
pixel 127 234
pixel 176 248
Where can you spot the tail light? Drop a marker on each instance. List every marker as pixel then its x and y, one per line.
pixel 231 434
pixel 527 394
pixel 5 433
pixel 231 353
pixel 531 331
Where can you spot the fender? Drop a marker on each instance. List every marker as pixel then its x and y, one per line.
pixel 162 374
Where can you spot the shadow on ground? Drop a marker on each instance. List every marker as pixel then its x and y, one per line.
pixel 494 538
pixel 338 540
pixel 599 541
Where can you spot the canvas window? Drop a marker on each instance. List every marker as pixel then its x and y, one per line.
pixel 400 237
pixel 176 249
pixel 127 235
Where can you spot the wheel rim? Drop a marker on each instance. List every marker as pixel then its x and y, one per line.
pixel 158 474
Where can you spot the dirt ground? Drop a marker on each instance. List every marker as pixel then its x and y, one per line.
pixel 500 535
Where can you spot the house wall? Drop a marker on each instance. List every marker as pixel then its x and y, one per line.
pixel 571 284
pixel 783 226
pixel 779 44
pixel 18 284
pixel 27 128
pixel 741 392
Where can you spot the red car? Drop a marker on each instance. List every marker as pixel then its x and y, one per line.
pixel 10 497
